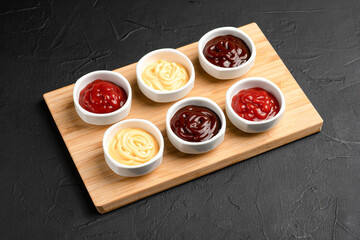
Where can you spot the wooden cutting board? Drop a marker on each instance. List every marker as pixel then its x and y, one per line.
pixel 109 191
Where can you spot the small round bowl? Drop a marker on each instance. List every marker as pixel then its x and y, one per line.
pixel 170 55
pixel 251 126
pixel 221 72
pixel 138 170
pixel 195 147
pixel 104 118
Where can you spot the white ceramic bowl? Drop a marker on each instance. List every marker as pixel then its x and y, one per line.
pixel 138 170
pixel 195 147
pixel 221 72
pixel 105 118
pixel 171 55
pixel 250 126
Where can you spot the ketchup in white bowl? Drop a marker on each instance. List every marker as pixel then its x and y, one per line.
pixel 101 96
pixel 255 104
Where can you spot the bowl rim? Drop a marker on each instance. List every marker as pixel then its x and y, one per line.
pixel 170 51
pixel 219 30
pixel 102 115
pixel 142 121
pixel 251 79
pixel 222 118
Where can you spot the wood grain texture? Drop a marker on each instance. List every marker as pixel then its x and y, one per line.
pixel 110 191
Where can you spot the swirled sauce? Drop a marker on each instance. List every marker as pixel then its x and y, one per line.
pixel 133 146
pixel 101 96
pixel 226 51
pixel 195 124
pixel 255 104
pixel 165 76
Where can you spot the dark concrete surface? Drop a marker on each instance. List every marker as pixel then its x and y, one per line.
pixel 308 189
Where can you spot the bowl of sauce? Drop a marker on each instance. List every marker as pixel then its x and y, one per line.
pixel 226 53
pixel 254 104
pixel 102 97
pixel 195 125
pixel 133 147
pixel 165 75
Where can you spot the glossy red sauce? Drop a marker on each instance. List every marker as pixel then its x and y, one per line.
pixel 226 51
pixel 255 104
pixel 102 96
pixel 195 124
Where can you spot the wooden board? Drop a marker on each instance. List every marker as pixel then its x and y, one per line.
pixel 110 191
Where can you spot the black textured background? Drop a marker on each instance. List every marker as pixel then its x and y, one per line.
pixel 308 189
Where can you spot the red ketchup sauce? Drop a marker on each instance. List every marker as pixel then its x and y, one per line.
pixel 102 96
pixel 195 124
pixel 255 104
pixel 226 51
